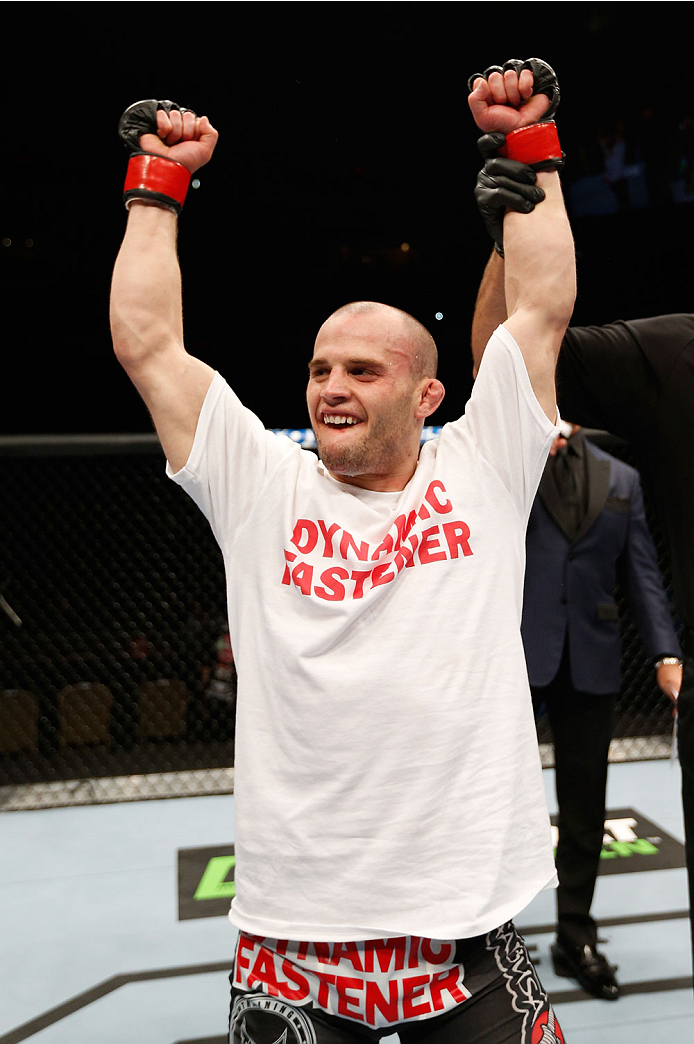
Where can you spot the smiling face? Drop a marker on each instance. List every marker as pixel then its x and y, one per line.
pixel 365 400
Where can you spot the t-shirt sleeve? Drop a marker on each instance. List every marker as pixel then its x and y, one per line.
pixel 232 460
pixel 506 422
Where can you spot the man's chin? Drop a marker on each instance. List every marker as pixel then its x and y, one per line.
pixel 340 465
pixel 338 457
pixel 346 461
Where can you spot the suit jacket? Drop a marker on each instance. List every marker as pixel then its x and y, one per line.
pixel 570 584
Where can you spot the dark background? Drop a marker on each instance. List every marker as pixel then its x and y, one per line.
pixel 344 133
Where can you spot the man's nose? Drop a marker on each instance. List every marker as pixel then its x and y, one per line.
pixel 335 388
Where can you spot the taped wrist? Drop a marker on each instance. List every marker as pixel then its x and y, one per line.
pixel 537 146
pixel 156 179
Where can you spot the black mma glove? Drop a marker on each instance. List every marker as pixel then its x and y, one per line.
pixel 507 179
pixel 149 176
pixel 501 184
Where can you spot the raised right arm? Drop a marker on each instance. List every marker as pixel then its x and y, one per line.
pixel 146 310
pixel 540 276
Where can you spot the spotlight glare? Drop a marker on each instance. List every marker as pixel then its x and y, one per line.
pixel 439 315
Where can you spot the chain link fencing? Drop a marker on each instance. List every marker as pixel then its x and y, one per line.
pixel 117 679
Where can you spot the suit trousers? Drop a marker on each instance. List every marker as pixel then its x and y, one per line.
pixel 582 725
pixel 685 743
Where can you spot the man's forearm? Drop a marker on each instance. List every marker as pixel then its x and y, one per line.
pixel 540 268
pixel 540 286
pixel 490 307
pixel 146 310
pixel 541 273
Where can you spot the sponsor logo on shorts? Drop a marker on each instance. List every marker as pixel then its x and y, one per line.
pixel 377 982
pixel 292 1025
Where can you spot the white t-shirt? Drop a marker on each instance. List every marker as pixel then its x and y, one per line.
pixel 387 775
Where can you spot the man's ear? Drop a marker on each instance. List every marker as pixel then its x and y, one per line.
pixel 431 397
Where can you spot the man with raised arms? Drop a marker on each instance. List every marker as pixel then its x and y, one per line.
pixel 390 811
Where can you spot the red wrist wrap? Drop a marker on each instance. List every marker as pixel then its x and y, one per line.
pixel 156 178
pixel 532 144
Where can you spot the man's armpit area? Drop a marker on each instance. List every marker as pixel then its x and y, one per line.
pixel 539 350
pixel 176 409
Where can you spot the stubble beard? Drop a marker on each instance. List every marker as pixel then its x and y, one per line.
pixel 375 453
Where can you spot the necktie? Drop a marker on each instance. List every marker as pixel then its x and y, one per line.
pixel 567 475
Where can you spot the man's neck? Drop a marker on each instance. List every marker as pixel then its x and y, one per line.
pixel 393 482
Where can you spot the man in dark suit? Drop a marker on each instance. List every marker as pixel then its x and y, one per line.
pixel 587 529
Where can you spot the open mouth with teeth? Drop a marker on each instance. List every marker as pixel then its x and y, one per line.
pixel 337 420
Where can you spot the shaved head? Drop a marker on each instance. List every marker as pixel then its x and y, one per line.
pixel 408 330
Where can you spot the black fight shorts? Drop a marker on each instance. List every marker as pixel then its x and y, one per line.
pixel 470 991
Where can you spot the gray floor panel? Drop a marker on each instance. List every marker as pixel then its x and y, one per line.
pixel 630 1020
pixel 159 1012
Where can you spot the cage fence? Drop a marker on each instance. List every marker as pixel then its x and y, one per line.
pixel 117 677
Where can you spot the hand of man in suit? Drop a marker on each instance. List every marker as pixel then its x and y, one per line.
pixel 669 679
